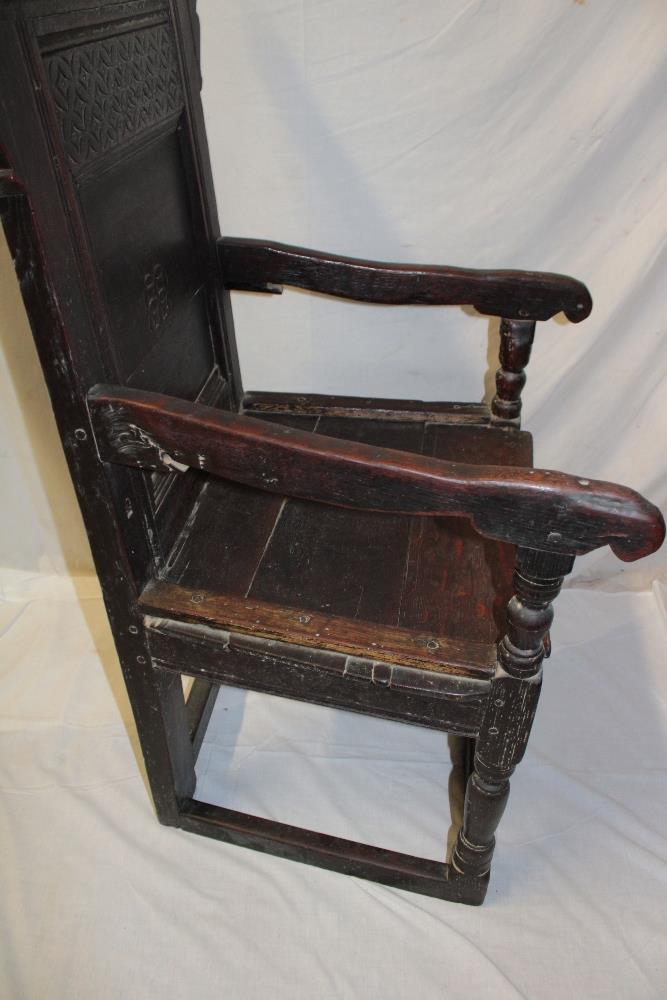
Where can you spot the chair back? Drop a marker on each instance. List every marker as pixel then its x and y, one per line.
pixel 109 209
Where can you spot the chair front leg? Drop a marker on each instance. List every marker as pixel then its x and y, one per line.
pixel 516 342
pixel 511 706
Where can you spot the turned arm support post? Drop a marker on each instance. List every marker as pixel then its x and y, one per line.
pixel 511 705
pixel 516 342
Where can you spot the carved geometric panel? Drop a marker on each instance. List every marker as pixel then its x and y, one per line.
pixel 110 90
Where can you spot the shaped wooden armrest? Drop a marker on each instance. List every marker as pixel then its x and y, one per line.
pixel 260 266
pixel 528 507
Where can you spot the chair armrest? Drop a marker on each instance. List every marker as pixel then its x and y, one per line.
pixel 538 509
pixel 260 266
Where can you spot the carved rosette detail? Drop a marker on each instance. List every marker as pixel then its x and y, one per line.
pixel 111 90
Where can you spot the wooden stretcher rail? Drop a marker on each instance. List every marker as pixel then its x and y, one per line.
pixel 402 871
pixel 363 408
pixel 263 266
pixel 533 508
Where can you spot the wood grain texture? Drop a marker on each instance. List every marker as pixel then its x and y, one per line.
pixel 538 509
pixel 225 535
pixel 287 624
pixel 332 559
pixel 262 266
pixel 433 575
pixel 457 581
pixel 449 702
pixel 363 408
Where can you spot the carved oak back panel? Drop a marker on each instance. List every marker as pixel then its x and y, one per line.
pixel 113 159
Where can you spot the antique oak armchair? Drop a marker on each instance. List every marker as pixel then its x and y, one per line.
pixel 387 557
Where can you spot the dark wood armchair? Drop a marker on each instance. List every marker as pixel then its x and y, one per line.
pixel 382 556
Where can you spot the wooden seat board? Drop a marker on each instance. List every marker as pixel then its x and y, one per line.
pixel 457 581
pixel 434 575
pixel 336 560
pixel 320 631
pixel 225 538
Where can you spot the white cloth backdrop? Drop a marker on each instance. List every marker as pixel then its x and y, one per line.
pixel 490 133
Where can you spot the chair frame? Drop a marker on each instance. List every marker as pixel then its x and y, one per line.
pixel 485 693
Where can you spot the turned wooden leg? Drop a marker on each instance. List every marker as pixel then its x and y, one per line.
pixel 511 707
pixel 516 341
